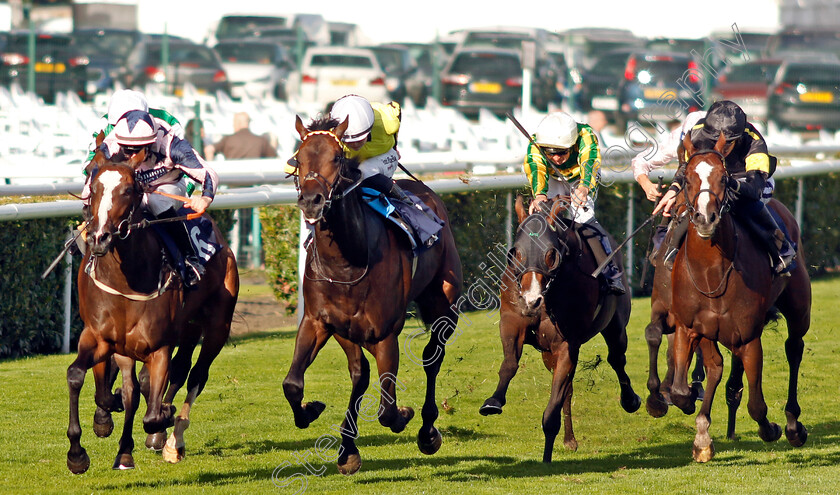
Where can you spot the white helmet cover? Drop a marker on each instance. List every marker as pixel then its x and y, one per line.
pixel 125 100
pixel 135 128
pixel 360 115
pixel 557 130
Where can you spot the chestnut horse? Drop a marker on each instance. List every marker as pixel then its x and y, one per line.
pixel 360 275
pixel 550 301
pixel 724 291
pixel 135 309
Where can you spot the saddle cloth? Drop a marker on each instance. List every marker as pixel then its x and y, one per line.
pixel 202 237
pixel 417 221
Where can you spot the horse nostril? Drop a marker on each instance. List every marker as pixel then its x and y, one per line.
pixel 712 217
pixel 537 302
pixel 318 199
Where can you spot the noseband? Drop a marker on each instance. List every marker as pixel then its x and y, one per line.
pixel 722 201
pixel 329 188
pixel 541 268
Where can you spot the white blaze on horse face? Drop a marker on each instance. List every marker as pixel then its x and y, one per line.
pixel 703 170
pixel 109 179
pixel 533 292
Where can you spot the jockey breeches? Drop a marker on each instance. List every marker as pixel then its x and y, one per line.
pixel 157 203
pixel 385 164
pixel 580 215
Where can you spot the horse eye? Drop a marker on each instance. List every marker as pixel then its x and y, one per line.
pixel 552 259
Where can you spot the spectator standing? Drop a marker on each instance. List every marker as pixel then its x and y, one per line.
pixel 242 143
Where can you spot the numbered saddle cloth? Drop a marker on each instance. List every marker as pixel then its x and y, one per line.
pixel 418 221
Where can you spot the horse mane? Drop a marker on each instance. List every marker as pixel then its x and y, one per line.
pixel 325 123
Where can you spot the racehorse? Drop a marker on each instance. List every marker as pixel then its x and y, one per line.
pixel 550 301
pixel 360 275
pixel 723 292
pixel 135 309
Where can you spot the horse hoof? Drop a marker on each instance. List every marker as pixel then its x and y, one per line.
pixel 351 465
pixel 798 436
pixel 406 412
pixel 312 411
pixel 571 444
pixel 490 406
pixel 156 441
pixel 773 433
pixel 78 464
pixel 103 424
pixel 173 455
pixel 656 407
pixel 124 462
pixel 633 404
pixel 429 445
pixel 704 454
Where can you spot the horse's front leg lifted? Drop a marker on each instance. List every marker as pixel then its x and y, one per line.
pixel 311 337
pixel 513 338
pixel 104 375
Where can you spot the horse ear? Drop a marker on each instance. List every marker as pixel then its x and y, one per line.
pixel 521 212
pixel 721 143
pixel 299 127
pixel 137 159
pixel 554 214
pixel 99 138
pixel 689 148
pixel 341 128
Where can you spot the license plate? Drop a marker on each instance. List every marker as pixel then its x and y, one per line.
pixel 492 88
pixel 604 103
pixel 53 68
pixel 656 93
pixel 821 97
pixel 344 82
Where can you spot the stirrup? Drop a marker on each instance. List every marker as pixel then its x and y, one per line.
pixel 194 270
pixel 669 258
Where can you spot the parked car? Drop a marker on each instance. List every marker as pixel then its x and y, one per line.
pixel 255 67
pixel 805 95
pixel 107 50
pixel 245 25
pixel 747 85
pixel 482 78
pixel 401 75
pixel 329 72
pixel 599 84
pixel 792 42
pixel 188 62
pixel 58 67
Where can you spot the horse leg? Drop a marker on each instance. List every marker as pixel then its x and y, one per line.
pixel 734 392
pixel 77 458
pixel 130 399
pixel 104 376
pixel 349 460
pixel 311 337
pixel 698 375
pixel 513 340
pixel 561 392
pixel 157 417
pixel 681 395
pixel 795 305
pixel 655 404
pixel 752 356
pixel 154 441
pixel 704 449
pixel 215 338
pixel 387 354
pixel 615 336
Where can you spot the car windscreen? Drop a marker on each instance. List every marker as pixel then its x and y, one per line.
pixel 186 55
pixel 812 74
pixel 752 72
pixel 336 60
pixel 235 26
pixel 54 46
pixel 663 68
pixel 250 53
pixel 610 65
pixel 486 64
pixel 499 40
pixel 115 45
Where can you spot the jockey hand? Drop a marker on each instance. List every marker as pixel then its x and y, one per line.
pixel 198 203
pixel 579 197
pixel 539 198
pixel 651 190
pixel 666 203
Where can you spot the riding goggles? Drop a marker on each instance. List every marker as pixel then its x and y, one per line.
pixel 555 151
pixel 133 150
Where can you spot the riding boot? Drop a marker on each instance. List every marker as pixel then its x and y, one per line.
pixel 193 268
pixel 764 227
pixel 679 227
pixel 600 246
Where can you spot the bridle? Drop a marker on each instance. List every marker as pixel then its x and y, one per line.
pixel 330 189
pixel 540 266
pixel 722 201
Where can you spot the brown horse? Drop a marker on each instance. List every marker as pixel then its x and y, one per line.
pixel 550 301
pixel 360 275
pixel 135 309
pixel 724 291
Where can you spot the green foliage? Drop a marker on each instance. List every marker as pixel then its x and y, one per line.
pixel 280 227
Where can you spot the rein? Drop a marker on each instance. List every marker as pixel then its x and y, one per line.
pixel 724 201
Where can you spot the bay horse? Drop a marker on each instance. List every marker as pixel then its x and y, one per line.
pixel 359 277
pixel 134 308
pixel 550 301
pixel 724 291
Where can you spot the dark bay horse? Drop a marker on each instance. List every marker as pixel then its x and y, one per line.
pixel 358 280
pixel 724 292
pixel 135 309
pixel 550 301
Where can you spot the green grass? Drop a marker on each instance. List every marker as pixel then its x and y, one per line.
pixel 242 427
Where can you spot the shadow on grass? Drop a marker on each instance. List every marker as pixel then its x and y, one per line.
pixel 286 333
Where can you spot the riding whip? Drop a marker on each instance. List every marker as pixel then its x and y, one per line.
pixel 616 250
pixel 57 260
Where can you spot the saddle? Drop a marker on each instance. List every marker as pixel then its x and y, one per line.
pixel 417 221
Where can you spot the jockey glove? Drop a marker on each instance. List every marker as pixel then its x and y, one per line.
pixel 749 189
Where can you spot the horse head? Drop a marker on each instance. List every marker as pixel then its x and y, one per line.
pixel 321 166
pixel 705 186
pixel 115 197
pixel 537 252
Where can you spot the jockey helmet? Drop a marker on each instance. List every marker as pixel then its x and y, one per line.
pixel 135 128
pixel 723 116
pixel 360 115
pixel 125 100
pixel 557 130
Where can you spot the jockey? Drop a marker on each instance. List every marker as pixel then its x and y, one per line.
pixel 169 160
pixel 749 166
pixel 572 149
